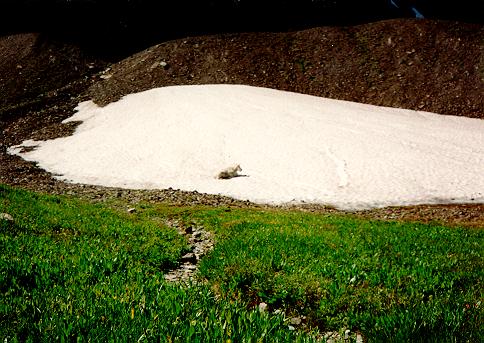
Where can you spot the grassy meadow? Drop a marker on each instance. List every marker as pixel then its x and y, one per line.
pixel 75 271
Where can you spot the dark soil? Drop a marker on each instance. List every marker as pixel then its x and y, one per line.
pixel 423 65
pixel 41 82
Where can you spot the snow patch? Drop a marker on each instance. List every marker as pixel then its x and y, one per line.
pixel 292 147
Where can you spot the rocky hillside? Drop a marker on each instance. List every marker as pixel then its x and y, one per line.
pixel 41 81
pixel 37 71
pixel 425 65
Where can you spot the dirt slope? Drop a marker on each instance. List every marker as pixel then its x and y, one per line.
pixel 34 69
pixel 41 81
pixel 426 65
pixel 423 65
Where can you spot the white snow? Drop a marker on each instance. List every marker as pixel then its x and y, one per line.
pixel 292 148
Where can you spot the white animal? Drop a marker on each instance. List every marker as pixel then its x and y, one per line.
pixel 229 172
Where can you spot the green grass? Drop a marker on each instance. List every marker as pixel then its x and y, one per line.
pixel 402 282
pixel 74 271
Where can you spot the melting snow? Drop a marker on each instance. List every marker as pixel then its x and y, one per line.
pixel 291 147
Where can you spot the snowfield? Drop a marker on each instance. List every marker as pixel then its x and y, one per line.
pixel 292 148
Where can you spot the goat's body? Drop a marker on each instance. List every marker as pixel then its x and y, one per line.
pixel 229 172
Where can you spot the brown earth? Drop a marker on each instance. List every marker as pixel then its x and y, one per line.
pixel 37 72
pixel 423 65
pixel 41 81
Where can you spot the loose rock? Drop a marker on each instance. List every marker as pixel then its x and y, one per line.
pixel 201 243
pixel 7 217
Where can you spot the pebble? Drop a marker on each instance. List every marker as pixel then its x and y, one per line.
pixel 335 337
pixel 263 307
pixel 6 217
pixel 347 334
